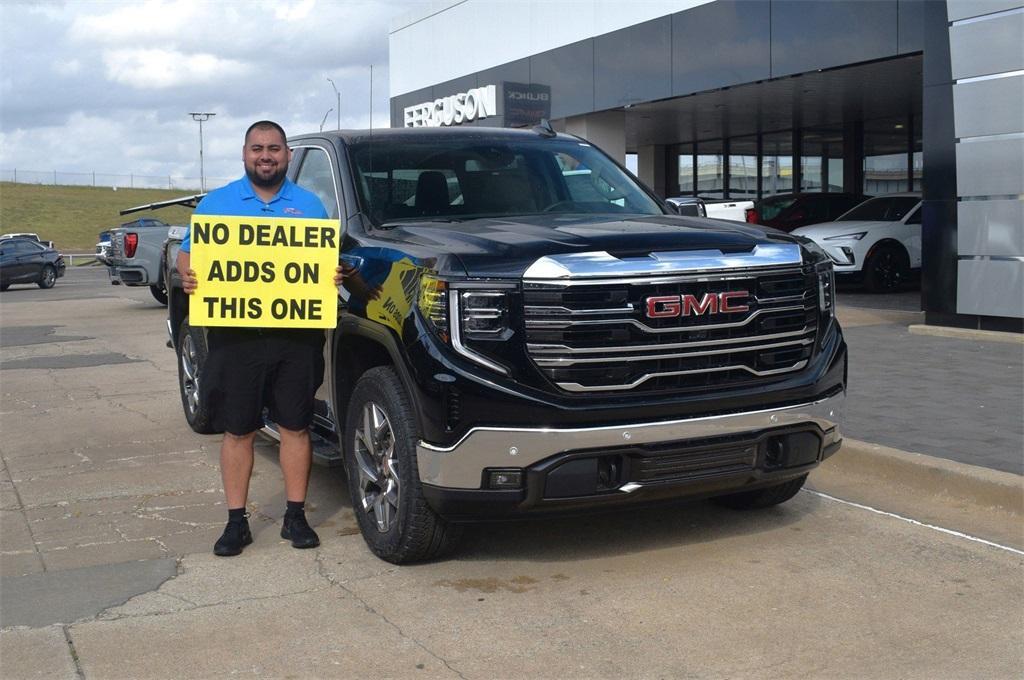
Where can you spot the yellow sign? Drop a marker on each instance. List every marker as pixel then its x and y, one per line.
pixel 264 272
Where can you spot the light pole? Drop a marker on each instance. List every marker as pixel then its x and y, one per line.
pixel 200 117
pixel 338 95
pixel 325 119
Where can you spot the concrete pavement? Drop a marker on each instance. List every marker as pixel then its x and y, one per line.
pixel 110 506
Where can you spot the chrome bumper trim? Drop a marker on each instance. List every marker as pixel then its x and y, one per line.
pixel 461 466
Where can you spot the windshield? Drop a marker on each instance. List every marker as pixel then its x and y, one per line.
pixel 881 209
pixel 462 179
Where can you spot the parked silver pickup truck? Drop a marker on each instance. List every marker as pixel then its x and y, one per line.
pixel 134 256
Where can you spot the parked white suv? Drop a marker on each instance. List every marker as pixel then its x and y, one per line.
pixel 878 241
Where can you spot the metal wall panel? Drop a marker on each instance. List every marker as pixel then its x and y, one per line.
pixel 439 41
pixel 986 47
pixel 569 72
pixel 990 287
pixel 965 9
pixel 807 36
pixel 724 43
pixel 990 168
pixel 991 228
pixel 633 65
pixel 910 26
pixel 989 107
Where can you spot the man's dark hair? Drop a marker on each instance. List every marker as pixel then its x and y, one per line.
pixel 266 125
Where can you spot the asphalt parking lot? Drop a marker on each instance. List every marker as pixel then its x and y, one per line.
pixel 892 564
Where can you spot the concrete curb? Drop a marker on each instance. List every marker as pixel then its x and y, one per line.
pixel 931 475
pixel 966 333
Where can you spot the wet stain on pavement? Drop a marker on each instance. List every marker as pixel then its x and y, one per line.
pixel 517 584
pixel 19 336
pixel 69 361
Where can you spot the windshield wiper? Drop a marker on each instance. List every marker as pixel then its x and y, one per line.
pixel 418 220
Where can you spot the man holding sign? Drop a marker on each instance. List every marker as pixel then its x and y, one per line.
pixel 260 262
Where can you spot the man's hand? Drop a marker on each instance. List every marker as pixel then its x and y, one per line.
pixel 189 281
pixel 185 271
pixel 339 275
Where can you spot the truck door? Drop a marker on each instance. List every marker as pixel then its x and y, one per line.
pixel 317 174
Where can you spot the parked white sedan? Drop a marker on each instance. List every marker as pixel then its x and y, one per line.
pixel 878 241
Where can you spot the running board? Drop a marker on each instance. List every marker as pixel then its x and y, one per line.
pixel 325 453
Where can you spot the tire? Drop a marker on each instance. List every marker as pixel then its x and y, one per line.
pixel 886 270
pixel 762 498
pixel 159 293
pixel 383 477
pixel 47 277
pixel 191 354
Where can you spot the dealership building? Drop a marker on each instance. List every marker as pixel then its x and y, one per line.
pixel 745 99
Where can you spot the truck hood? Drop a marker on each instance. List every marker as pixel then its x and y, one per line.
pixel 506 247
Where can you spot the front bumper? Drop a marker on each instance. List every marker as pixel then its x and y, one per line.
pixel 463 465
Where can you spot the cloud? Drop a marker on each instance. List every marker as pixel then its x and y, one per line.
pixel 106 86
pixel 159 68
pixel 129 23
pixel 67 68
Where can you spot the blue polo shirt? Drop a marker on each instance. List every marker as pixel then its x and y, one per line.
pixel 239 199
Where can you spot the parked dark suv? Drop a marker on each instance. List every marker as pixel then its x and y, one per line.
pixel 531 331
pixel 789 211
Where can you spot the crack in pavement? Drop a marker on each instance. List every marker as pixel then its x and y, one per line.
pixel 194 607
pixel 24 517
pixel 320 569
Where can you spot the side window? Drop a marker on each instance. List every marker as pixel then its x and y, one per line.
pixel 915 218
pixel 817 209
pixel 315 175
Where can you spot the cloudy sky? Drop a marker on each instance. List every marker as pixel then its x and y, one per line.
pixel 106 87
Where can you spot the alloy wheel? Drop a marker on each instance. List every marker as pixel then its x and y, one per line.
pixel 189 373
pixel 888 269
pixel 379 484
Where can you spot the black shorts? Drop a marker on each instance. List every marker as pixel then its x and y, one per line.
pixel 249 369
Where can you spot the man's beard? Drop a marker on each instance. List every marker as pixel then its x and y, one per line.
pixel 269 182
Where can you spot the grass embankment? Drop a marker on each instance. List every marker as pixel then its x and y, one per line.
pixel 72 217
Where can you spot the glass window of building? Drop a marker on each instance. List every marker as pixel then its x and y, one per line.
pixel 743 168
pixel 821 162
pixel 685 165
pixel 886 156
pixel 777 163
pixel 917 164
pixel 710 169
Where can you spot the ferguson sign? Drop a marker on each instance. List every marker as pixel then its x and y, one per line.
pixel 454 110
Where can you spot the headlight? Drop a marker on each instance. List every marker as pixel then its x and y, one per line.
pixel 826 302
pixel 484 314
pixel 846 237
pixel 464 315
pixel 827 292
pixel 433 304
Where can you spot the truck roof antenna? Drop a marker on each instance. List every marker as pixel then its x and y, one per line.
pixel 545 129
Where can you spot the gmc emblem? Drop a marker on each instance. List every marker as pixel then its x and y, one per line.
pixel 666 306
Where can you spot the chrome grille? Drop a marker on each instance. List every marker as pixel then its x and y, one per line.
pixel 594 336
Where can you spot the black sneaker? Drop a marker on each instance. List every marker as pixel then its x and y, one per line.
pixel 235 537
pixel 297 530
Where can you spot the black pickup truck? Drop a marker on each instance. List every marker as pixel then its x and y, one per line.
pixel 531 330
